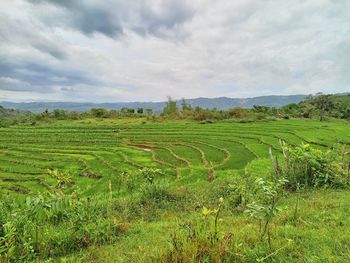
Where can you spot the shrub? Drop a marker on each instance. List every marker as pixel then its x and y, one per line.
pixel 54 224
pixel 306 166
pixel 201 241
pixel 265 204
pixel 238 190
pixel 157 194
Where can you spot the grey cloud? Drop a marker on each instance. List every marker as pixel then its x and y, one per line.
pixel 16 32
pixel 83 16
pixel 113 17
pixel 91 21
pixel 10 84
pixel 67 89
pixel 171 14
pixel 43 75
pixel 50 49
pixel 33 76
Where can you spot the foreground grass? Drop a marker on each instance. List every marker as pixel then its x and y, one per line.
pixel 317 232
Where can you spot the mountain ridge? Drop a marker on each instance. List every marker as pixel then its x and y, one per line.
pixel 221 103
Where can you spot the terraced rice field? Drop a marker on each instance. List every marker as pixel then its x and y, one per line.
pixel 95 152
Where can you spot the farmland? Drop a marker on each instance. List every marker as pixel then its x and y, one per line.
pixel 96 152
pixel 190 158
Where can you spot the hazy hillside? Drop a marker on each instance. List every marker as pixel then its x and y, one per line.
pixel 339 100
pixel 11 113
pixel 219 103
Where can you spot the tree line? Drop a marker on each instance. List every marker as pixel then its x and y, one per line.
pixel 319 106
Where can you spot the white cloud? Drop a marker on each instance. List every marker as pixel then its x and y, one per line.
pixel 182 48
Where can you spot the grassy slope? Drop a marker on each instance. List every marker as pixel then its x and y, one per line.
pixel 109 147
pixel 318 233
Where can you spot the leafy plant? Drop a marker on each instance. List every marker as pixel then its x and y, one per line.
pixel 265 206
pixel 201 241
pixel 54 223
pixel 63 179
pixel 157 194
pixel 149 174
pixel 306 166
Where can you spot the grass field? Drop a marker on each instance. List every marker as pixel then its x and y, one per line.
pixel 183 150
pixel 188 155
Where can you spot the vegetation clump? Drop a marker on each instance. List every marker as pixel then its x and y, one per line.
pixel 201 240
pixel 306 166
pixel 54 224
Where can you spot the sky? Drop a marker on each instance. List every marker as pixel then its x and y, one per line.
pixel 134 50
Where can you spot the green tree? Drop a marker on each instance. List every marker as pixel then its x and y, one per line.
pixel 45 114
pixel 261 109
pixel 346 112
pixel 99 112
pixel 113 114
pixel 185 106
pixel 73 115
pixel 59 114
pixel 170 107
pixel 324 104
pixel 127 111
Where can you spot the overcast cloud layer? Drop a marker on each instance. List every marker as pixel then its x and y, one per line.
pixel 138 50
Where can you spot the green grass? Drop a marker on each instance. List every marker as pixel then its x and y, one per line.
pixel 187 154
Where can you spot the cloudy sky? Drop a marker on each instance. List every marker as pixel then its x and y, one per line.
pixel 141 50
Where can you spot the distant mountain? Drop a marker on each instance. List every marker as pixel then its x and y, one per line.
pixel 218 103
pixel 12 113
pixel 226 103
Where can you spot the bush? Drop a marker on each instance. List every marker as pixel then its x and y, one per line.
pixel 157 194
pixel 200 240
pixel 237 190
pixel 306 166
pixel 53 224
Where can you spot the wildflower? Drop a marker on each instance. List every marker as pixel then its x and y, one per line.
pixel 206 211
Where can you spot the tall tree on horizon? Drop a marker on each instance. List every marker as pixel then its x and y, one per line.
pixel 324 104
pixel 170 107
